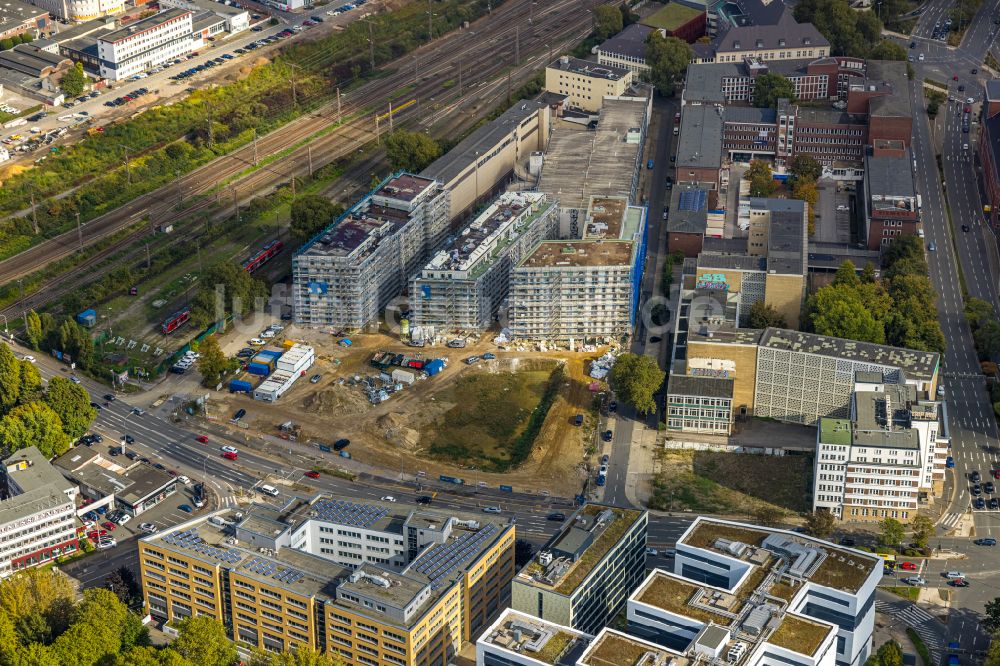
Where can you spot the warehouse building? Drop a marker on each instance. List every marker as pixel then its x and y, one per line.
pixel 370 583
pixel 347 274
pixel 583 575
pixel 38 520
pixel 464 284
pixel 587 289
pixel 585 83
pixel 145 44
pixel 886 459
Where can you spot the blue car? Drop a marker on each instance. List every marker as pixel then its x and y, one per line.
pixel 601 480
pixel 186 508
pixel 101 510
pixel 90 515
pixel 949 463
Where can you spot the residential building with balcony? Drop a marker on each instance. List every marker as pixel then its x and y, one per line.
pixel 372 583
pixel 583 575
pixel 345 276
pixel 465 282
pixel 759 596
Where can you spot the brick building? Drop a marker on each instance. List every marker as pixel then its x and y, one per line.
pixel 989 151
pixel 887 199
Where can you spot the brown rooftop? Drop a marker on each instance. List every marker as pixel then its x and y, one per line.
pixel 616 649
pixel 405 187
pixel 799 635
pixel 554 254
pixel 604 218
pixel 672 594
pixel 706 533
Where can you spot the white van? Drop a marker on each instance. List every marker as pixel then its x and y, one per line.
pixel 269 490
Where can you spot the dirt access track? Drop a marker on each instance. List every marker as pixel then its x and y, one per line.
pixel 391 435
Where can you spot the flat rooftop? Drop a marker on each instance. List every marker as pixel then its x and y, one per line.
pixel 699 143
pixel 579 253
pixel 799 634
pixel 537 639
pixel 707 387
pixel 605 218
pixel 890 176
pixel 144 479
pixel 673 15
pixel 29 469
pixel 581 163
pixel 614 648
pixel 690 204
pixel 917 364
pixel 888 77
pixel 404 187
pixel 589 68
pixel 13 14
pixel 148 23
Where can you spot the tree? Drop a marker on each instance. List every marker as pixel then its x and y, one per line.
pixel 635 379
pixel 74 340
pixel 850 32
pixel 991 616
pixel 523 552
pixel 978 311
pixel 769 88
pixel 95 634
pixel 33 424
pixel 6 44
pixel 608 21
pixel 301 656
pixel 923 530
pixel 820 523
pixel 33 329
pixel 203 641
pixel 74 80
pixel 890 654
pixel 887 50
pixel 767 515
pixel 11 379
pixel 805 167
pixel 311 214
pixel 842 314
pixel 411 151
pixel 763 315
pixel 240 293
pixel 212 363
pixel 993 655
pixel 762 187
pixel 758 168
pixel 121 582
pixel 71 403
pixel 891 532
pixel 668 58
pixel 48 592
pixel 805 190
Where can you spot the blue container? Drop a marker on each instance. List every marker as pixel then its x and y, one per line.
pixel 87 318
pixel 267 355
pixel 239 386
pixel 258 369
pixel 433 367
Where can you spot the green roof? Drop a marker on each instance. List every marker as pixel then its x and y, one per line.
pixel 671 17
pixel 835 431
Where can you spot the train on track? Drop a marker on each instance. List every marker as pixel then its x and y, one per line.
pixel 175 321
pixel 263 255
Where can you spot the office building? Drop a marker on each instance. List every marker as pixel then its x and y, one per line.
pixel 988 148
pixel 346 275
pixel 888 199
pixel 885 459
pixel 18 18
pixel 234 19
pixel 521 639
pixel 145 44
pixel 785 40
pixel 481 165
pixel 134 488
pixel 464 284
pixel 700 403
pixel 372 583
pixel 585 83
pixel 38 520
pixel 587 289
pixel 627 49
pixel 759 596
pixel 583 575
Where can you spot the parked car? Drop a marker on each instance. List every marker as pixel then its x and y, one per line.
pixel 557 516
pixel 108 525
pixel 492 509
pixel 607 435
pixel 315 378
pixel 240 413
pixel 909 566
pixel 974 476
pixel 652 552
pixel 186 508
pixel 341 444
pixel 979 504
pixel 148 528
pixel 424 499
pixel 988 487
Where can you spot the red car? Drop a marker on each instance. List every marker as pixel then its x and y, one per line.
pixel 955 78
pixel 909 566
pixel 959 582
pixel 996 474
pixel 108 525
pixel 93 535
pixel 203 439
pixel 312 474
pixel 229 455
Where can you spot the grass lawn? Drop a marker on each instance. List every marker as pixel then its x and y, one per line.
pixel 671 17
pixel 908 592
pixel 489 411
pixel 713 482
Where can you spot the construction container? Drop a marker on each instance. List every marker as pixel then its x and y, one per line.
pixel 403 376
pixel 87 318
pixel 274 386
pixel 239 386
pixel 258 369
pixel 433 367
pixel 267 356
pixel 288 344
pixel 297 359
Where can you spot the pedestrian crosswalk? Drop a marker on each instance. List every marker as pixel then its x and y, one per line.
pixel 951 520
pixel 227 501
pixel 920 620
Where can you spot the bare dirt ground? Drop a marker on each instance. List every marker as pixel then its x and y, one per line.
pixel 390 435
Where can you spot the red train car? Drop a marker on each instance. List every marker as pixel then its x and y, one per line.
pixel 175 321
pixel 263 255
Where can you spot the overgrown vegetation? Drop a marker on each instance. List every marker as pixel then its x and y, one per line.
pixel 935 98
pixel 849 31
pixel 674 258
pixel 920 646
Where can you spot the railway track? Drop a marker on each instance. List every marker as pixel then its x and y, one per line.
pixel 480 63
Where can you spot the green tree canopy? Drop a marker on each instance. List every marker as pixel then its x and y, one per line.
pixel 991 616
pixel 850 32
pixel 238 293
pixel 887 50
pixel 33 329
pixel 668 58
pixel 841 314
pixel 635 379
pixel 820 523
pixel 19 380
pixel 891 532
pixel 212 363
pixel 311 214
pixel 74 340
pixel 763 315
pixel 71 403
pixel 33 423
pixel 48 592
pixel 769 88
pixel 411 151
pixel 608 21
pixel 923 530
pixel 202 640
pixel 74 80
pixel 805 167
pixel 889 654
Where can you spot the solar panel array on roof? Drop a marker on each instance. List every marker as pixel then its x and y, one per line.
pixel 693 201
pixel 264 567
pixel 349 513
pixel 190 540
pixel 442 560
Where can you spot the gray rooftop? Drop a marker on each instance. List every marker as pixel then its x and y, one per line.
pixel 589 68
pixel 205 19
pixel 481 141
pixel 717 246
pixel 13 14
pixel 889 176
pixel 784 34
pixel 815 115
pixel 882 418
pixel 918 364
pixel 31 502
pixel 31 60
pixel 29 469
pixel 786 238
pixel 727 335
pixel 889 77
pixel 689 206
pixel 629 42
pixel 739 262
pixel 145 480
pixel 699 143
pixel 751 115
pixel 147 23
pixel 705 387
pixel 993 90
pixel 704 81
pixel 832 255
pixel 69 33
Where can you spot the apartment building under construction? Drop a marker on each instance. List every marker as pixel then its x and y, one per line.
pixel 464 284
pixel 374 583
pixel 584 289
pixel 346 275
